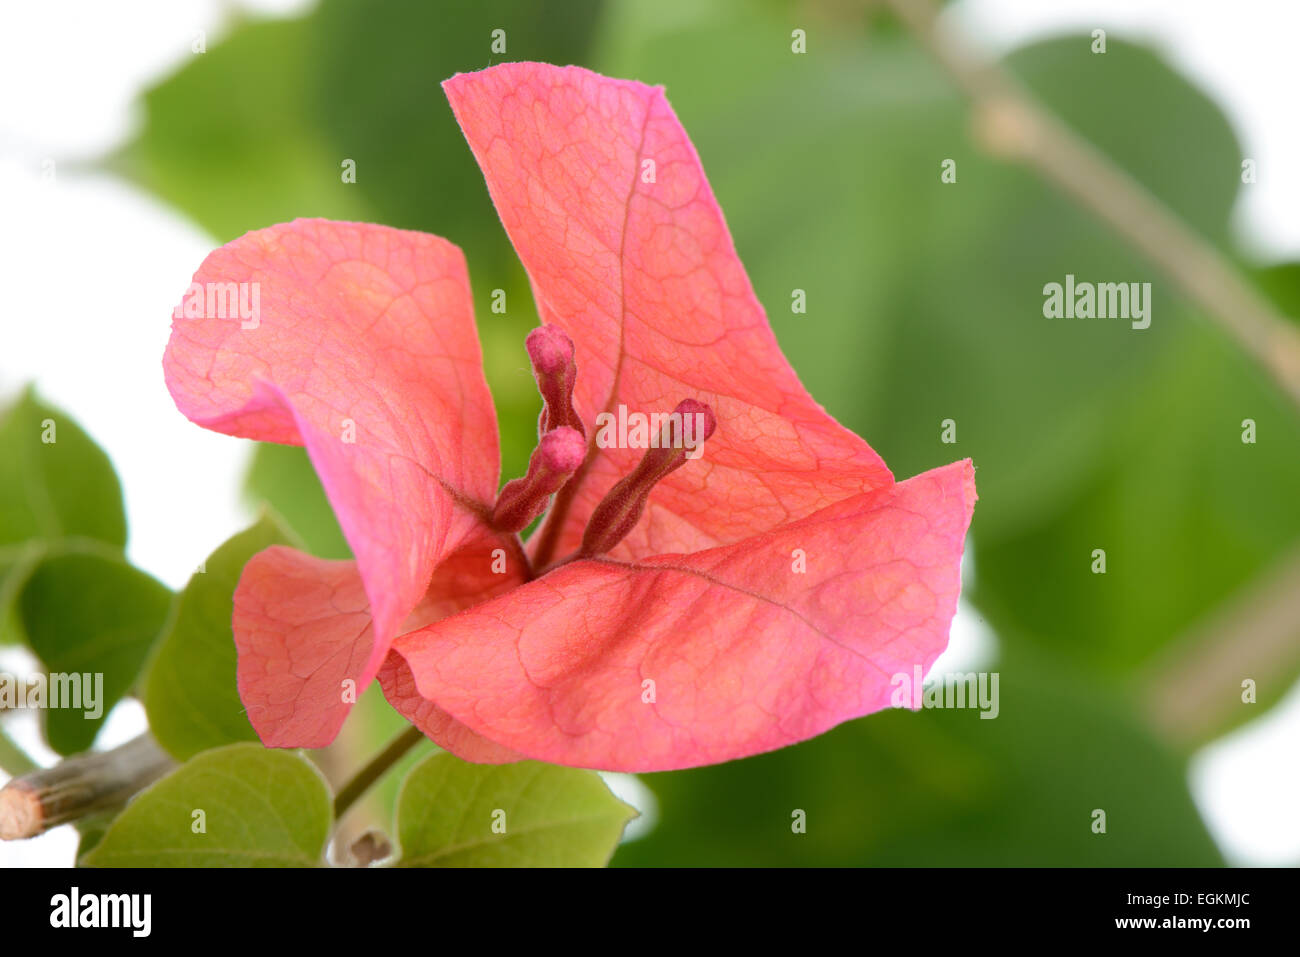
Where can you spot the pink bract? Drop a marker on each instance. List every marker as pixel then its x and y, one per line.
pixel 768 591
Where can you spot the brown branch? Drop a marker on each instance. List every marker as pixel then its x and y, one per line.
pixel 78 786
pixel 1011 124
pixel 1192 689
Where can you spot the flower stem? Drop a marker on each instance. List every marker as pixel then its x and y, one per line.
pixel 548 533
pixel 376 769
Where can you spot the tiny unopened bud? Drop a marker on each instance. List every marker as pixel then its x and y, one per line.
pixel 690 424
pixel 551 353
pixel 557 456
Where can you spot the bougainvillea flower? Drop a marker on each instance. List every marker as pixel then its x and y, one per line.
pixel 747 578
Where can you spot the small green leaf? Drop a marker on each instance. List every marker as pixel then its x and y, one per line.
pixel 190 693
pixel 237 806
pixel 56 485
pixel 16 563
pixel 93 616
pixel 55 482
pixel 454 814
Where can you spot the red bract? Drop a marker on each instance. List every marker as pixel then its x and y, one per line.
pixel 681 604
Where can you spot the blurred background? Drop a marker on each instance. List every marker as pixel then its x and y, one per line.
pixel 133 141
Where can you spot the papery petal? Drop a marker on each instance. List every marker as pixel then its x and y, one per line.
pixel 635 262
pixel 304 634
pixel 400 689
pixel 363 349
pixel 302 628
pixel 743 652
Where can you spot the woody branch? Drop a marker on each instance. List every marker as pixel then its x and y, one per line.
pixel 75 787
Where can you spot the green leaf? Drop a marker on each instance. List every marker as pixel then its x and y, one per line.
pixel 16 564
pixel 260 808
pixel 54 481
pixel 190 692
pixel 454 814
pixel 92 616
pixel 1190 522
pixel 252 90
pixel 1281 282
pixel 56 486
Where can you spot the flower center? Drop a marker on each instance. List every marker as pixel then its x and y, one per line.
pixel 562 449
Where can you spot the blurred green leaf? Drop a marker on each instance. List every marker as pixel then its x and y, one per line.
pixel 56 485
pixel 1281 282
pixel 1187 156
pixel 454 814
pixel 15 565
pixel 259 808
pixel 234 116
pixel 55 482
pixel 89 615
pixel 190 692
pixel 943 788
pixel 1197 515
